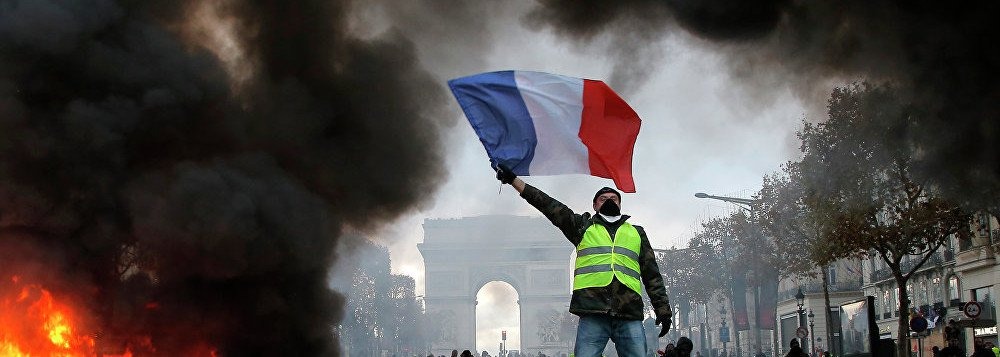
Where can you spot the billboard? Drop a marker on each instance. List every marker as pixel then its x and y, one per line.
pixel 858 330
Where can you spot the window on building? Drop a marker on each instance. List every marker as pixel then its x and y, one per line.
pixel 832 275
pixel 964 243
pixel 878 304
pixel 922 294
pixel 953 293
pixel 887 301
pixel 935 293
pixel 948 250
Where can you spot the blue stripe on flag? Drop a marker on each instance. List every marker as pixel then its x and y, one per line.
pixel 496 110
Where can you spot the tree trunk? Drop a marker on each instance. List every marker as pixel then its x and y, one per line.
pixel 903 346
pixel 733 332
pixel 826 304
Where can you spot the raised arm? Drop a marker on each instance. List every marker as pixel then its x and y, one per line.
pixel 561 216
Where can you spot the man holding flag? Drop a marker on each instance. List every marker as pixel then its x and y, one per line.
pixel 534 123
pixel 613 261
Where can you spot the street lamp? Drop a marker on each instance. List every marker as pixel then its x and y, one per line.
pixel 812 332
pixel 800 299
pixel 748 206
pixel 708 332
pixel 723 336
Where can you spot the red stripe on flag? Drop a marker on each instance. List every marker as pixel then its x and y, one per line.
pixel 609 128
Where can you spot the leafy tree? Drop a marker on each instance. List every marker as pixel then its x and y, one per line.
pixel 405 315
pixel 801 220
pixel 679 274
pixel 367 283
pixel 713 251
pixel 861 160
pixel 705 268
pixel 366 324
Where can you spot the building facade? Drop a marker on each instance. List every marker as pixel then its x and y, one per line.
pixel 962 270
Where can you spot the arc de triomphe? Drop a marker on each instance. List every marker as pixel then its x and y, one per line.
pixel 463 254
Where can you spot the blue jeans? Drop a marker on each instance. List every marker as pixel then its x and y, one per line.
pixel 594 331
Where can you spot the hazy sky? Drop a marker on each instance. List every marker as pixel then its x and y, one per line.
pixel 702 131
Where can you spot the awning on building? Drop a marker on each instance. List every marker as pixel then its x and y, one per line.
pixel 970 323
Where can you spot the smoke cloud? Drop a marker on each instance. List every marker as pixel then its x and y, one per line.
pixel 188 179
pixel 941 54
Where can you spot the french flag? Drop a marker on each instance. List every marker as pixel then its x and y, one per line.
pixel 546 124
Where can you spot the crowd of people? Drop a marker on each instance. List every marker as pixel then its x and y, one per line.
pixel 682 348
pixel 980 348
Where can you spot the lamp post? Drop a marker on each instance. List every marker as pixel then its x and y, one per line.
pixel 723 330
pixel 812 332
pixel 800 300
pixel 708 333
pixel 748 206
pixel 743 203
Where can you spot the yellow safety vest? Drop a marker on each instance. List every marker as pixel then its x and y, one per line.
pixel 598 258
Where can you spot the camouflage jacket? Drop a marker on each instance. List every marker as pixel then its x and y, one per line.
pixel 616 299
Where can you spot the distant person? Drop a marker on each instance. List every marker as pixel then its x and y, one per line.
pixel 682 349
pixel 952 350
pixel 935 351
pixel 614 262
pixel 666 349
pixel 795 350
pixel 979 349
pixel 951 331
pixel 467 353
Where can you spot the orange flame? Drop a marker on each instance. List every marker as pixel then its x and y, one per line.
pixel 33 323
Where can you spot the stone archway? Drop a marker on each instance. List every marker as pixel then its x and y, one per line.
pixel 464 254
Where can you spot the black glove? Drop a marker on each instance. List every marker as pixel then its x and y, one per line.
pixel 664 322
pixel 505 174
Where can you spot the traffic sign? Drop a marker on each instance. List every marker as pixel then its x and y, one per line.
pixel 802 332
pixel 972 309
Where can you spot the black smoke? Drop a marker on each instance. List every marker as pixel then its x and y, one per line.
pixel 138 175
pixel 942 54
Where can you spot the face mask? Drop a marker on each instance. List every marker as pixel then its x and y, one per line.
pixel 610 208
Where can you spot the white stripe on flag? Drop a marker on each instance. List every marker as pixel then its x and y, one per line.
pixel 555 104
